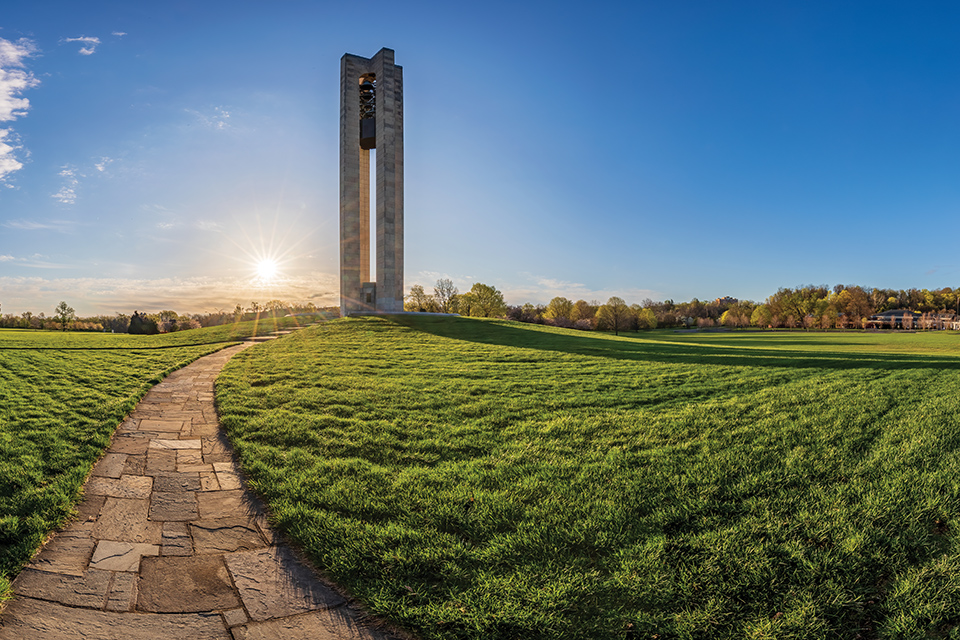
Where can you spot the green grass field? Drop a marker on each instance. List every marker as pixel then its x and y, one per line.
pixel 485 479
pixel 61 397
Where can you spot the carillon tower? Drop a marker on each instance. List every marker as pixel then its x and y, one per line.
pixel 371 117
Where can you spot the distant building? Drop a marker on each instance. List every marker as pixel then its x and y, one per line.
pixel 906 319
pixel 894 319
pixel 726 300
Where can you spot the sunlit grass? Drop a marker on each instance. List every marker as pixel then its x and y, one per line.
pixel 483 479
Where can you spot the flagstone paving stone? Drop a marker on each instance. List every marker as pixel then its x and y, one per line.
pixel 274 584
pixel 168 544
pixel 176 505
pixel 37 620
pixel 86 590
pixel 121 556
pixel 222 535
pixel 174 444
pixel 176 540
pixel 111 465
pixel 125 520
pixel 185 584
pixel 310 626
pixel 169 482
pixel 127 486
pixel 69 554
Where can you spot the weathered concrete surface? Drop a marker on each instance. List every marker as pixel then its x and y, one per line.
pixel 168 543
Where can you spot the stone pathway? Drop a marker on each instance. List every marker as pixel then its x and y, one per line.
pixel 168 543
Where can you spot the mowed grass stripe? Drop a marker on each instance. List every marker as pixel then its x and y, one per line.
pixel 486 479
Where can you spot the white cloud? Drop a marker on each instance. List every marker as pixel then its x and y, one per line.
pixel 14 79
pixel 103 164
pixel 207 225
pixel 8 162
pixel 68 192
pixel 119 34
pixel 4 258
pixel 91 43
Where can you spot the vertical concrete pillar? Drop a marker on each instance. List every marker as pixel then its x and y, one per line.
pixel 386 295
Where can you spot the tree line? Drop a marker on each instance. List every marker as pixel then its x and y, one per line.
pixel 806 306
pixel 64 318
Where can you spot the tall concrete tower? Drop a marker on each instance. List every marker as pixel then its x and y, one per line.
pixel 371 117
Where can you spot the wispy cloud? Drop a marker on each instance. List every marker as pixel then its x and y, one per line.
pixel 119 34
pixel 5 258
pixel 103 164
pixel 185 295
pixel 63 226
pixel 14 80
pixel 89 44
pixel 68 192
pixel 540 290
pixel 208 225
pixel 215 119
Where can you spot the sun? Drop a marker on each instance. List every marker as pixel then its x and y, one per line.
pixel 267 270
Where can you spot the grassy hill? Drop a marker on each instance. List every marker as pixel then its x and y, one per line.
pixel 485 479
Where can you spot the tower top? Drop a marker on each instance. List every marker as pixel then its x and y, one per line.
pixel 371 117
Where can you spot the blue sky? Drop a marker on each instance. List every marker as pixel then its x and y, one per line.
pixel 152 153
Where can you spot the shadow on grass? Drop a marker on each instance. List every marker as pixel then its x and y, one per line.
pixel 509 334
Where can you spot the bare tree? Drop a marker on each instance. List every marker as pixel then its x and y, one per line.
pixel 418 299
pixel 614 315
pixel 445 295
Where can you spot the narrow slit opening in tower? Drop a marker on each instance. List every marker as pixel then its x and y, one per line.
pixel 372 215
pixel 367 96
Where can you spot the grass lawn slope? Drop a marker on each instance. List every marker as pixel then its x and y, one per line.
pixel 61 397
pixel 485 479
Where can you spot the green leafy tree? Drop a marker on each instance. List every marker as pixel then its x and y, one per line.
pixel 560 309
pixel 64 313
pixel 465 303
pixel 646 319
pixel 487 301
pixel 583 310
pixel 761 316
